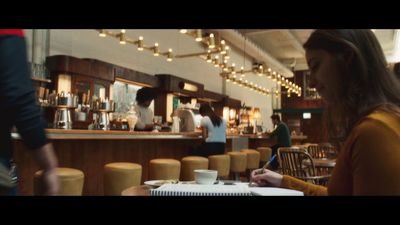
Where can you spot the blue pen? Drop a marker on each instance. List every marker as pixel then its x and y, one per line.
pixel 267 164
pixel 263 169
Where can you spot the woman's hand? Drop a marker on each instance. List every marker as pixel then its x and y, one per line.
pixel 268 178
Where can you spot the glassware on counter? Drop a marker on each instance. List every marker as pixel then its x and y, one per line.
pixel 131 117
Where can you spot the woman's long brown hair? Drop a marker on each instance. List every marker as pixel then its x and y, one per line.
pixel 366 82
pixel 206 110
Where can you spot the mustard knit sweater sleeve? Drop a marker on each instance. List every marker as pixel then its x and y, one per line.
pixel 307 188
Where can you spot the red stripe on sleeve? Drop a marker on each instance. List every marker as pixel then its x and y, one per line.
pixel 17 32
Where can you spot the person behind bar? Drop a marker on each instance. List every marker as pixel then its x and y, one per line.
pixel 349 70
pixel 144 96
pixel 18 107
pixel 213 131
pixel 283 138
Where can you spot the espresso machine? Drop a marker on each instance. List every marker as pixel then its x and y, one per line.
pixel 64 103
pixel 102 107
pixel 189 119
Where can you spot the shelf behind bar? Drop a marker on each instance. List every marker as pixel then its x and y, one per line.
pixel 41 79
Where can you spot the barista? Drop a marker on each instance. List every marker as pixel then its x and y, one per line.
pixel 144 96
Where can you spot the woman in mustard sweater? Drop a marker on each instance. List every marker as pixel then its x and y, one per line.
pixel 349 70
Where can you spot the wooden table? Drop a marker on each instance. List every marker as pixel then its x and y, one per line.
pixel 143 190
pixel 321 162
pixel 322 166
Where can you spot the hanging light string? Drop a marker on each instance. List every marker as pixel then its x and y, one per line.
pixel 217 54
pixel 229 72
pixel 139 43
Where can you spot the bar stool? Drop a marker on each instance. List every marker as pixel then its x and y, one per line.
pixel 164 169
pixel 253 160
pixel 265 155
pixel 190 163
pixel 119 176
pixel 221 163
pixel 71 181
pixel 238 163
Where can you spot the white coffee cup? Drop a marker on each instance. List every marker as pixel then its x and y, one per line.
pixel 205 176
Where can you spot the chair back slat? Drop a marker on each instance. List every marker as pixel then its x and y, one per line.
pixel 292 162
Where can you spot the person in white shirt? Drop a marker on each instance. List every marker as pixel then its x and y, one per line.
pixel 214 133
pixel 144 96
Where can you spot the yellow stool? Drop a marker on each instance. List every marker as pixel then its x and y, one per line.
pixel 71 181
pixel 119 176
pixel 238 163
pixel 190 163
pixel 253 158
pixel 164 169
pixel 221 163
pixel 265 154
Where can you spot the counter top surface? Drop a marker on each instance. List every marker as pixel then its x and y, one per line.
pixel 61 134
pixel 261 136
pixel 55 134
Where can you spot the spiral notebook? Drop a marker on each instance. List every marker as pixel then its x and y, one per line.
pixel 239 189
pixel 200 190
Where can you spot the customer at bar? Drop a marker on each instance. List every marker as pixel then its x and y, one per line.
pixel 349 70
pixel 213 131
pixel 283 139
pixel 18 107
pixel 144 97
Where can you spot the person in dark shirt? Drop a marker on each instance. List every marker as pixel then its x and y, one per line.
pixel 144 97
pixel 18 108
pixel 283 138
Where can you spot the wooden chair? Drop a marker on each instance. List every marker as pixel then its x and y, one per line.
pixel 321 151
pixel 291 161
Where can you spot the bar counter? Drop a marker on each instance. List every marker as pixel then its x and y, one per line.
pixel 256 141
pixel 90 150
pixel 58 134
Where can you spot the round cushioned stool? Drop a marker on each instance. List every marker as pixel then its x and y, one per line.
pixel 238 163
pixel 71 181
pixel 164 169
pixel 119 176
pixel 221 163
pixel 190 163
pixel 265 154
pixel 253 158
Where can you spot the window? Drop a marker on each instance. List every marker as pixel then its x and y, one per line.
pixel 309 93
pixel 306 115
pixel 123 95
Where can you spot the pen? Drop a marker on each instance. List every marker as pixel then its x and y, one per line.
pixel 267 164
pixel 263 169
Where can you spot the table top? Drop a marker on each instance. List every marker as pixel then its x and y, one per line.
pixel 142 190
pixel 321 162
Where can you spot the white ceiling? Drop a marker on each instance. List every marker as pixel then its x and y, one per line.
pixel 286 45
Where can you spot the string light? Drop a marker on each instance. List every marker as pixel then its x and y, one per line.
pixel 156 49
pixel 260 69
pixel 123 39
pixel 221 49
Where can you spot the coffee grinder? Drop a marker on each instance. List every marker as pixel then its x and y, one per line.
pixel 102 108
pixel 64 103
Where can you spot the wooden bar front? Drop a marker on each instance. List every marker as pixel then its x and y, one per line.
pixel 89 151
